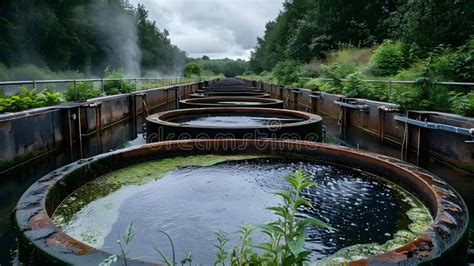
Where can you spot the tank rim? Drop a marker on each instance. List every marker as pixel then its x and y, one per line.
pixel 36 227
pixel 160 118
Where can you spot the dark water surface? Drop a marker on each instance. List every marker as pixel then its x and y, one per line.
pixel 238 103
pixel 192 203
pixel 234 120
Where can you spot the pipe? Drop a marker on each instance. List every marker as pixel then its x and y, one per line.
pixel 436 126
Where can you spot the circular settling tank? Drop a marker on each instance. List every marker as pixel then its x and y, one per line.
pixel 385 211
pixel 230 102
pixel 229 88
pixel 233 122
pixel 230 94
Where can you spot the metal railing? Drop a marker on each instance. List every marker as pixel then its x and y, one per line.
pixel 11 86
pixel 391 83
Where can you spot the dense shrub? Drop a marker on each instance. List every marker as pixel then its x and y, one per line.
pixel 359 88
pixel 462 104
pixel 81 92
pixel 248 73
pixel 339 71
pixel 425 95
pixel 287 72
pixel 318 85
pixel 26 99
pixel 112 87
pixel 192 69
pixel 452 65
pixel 389 58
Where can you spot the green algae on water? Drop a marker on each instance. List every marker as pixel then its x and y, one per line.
pixel 135 175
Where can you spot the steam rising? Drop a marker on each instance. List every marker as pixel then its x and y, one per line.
pixel 117 32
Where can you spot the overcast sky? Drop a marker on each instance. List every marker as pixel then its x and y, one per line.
pixel 217 28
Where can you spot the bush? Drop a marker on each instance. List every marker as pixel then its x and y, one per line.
pixel 318 85
pixel 448 65
pixel 82 92
pixel 112 87
pixel 425 95
pixel 192 69
pixel 359 88
pixel 462 104
pixel 248 73
pixel 338 71
pixel 389 58
pixel 287 72
pixel 26 99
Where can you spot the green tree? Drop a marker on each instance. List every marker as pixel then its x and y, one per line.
pixel 192 69
pixel 428 24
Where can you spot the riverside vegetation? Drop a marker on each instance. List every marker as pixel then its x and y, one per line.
pixel 422 41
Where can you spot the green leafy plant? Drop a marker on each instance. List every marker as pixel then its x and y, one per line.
pixel 222 254
pixel 124 244
pixel 26 99
pixel 289 229
pixel 287 72
pixel 81 92
pixel 389 58
pixel 192 69
pixel 462 104
pixel 117 85
pixel 48 98
pixel 285 236
pixel 358 87
pixel 447 64
pixel 318 85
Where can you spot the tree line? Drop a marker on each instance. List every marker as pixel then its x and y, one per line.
pixel 85 36
pixel 309 29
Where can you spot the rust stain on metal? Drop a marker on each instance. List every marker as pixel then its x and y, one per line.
pixel 40 220
pixel 63 240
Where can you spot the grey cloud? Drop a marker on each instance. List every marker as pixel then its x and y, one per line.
pixel 218 28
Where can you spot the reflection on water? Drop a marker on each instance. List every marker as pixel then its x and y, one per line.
pixel 234 120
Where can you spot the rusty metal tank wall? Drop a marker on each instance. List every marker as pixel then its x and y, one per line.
pixel 379 119
pixel 32 133
pixel 229 102
pixel 162 126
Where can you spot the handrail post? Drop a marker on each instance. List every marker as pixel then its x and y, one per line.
pixel 75 87
pixel 389 90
